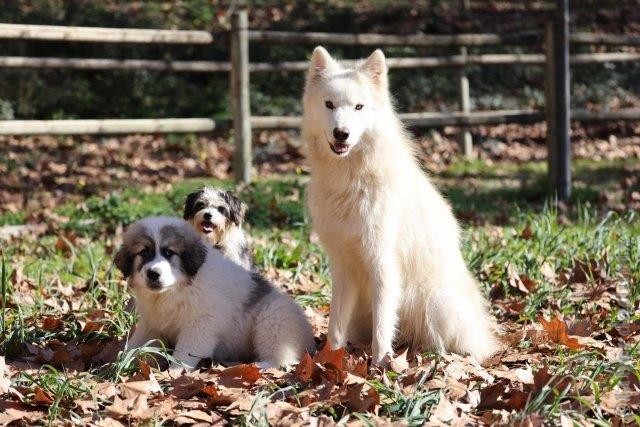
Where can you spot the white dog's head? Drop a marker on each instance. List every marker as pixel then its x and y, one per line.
pixel 342 105
pixel 214 213
pixel 160 253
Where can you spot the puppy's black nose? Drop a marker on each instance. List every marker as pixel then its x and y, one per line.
pixel 341 134
pixel 207 216
pixel 153 275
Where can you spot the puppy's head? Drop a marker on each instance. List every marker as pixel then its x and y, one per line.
pixel 213 212
pixel 160 253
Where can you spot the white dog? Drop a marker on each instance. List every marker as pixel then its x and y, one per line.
pixel 218 216
pixel 203 304
pixel 393 244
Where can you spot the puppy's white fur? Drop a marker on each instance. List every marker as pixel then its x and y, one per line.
pixel 392 240
pixel 203 304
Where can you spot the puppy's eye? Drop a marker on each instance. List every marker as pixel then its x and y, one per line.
pixel 359 106
pixel 145 253
pixel 222 210
pixel 329 105
pixel 167 253
pixel 198 206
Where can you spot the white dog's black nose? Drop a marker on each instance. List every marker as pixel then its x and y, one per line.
pixel 340 134
pixel 153 275
pixel 207 216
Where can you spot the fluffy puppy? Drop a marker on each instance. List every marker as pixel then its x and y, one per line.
pixel 218 215
pixel 397 271
pixel 204 305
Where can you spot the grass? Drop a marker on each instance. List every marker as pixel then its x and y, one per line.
pixel 75 282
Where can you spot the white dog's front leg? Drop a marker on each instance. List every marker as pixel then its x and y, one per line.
pixel 193 345
pixel 140 336
pixel 342 304
pixel 386 300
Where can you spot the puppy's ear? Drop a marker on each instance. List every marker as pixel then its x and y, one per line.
pixel 320 62
pixel 190 203
pixel 123 261
pixel 193 256
pixel 375 66
pixel 237 208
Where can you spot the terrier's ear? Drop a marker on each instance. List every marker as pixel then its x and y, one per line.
pixel 375 66
pixel 189 204
pixel 237 208
pixel 193 256
pixel 320 62
pixel 123 261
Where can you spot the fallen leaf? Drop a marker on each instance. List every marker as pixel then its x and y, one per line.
pixel 305 368
pixel 50 323
pixel 557 332
pixel 42 397
pixel 240 376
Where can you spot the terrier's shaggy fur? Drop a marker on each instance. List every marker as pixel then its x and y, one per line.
pixel 218 216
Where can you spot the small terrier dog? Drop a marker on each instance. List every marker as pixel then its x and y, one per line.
pixel 218 216
pixel 203 304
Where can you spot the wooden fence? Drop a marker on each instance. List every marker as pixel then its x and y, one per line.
pixel 556 40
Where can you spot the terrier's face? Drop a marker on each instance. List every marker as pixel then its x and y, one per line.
pixel 213 212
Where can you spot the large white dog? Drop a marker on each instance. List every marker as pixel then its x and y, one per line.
pixel 394 249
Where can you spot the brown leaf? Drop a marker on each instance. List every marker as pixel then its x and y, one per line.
pixel 327 356
pixel 527 233
pixel 66 242
pixel 42 397
pixel 240 376
pixel 557 332
pixel 305 368
pixel 50 323
pixel 92 326
pixel 400 363
pixel 356 402
pixel 523 283
pixel 210 390
pixel 144 369
pixel 185 387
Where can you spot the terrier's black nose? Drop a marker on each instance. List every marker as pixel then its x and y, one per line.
pixel 153 275
pixel 207 216
pixel 341 134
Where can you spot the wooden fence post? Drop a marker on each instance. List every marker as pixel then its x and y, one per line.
pixel 464 137
pixel 239 82
pixel 558 101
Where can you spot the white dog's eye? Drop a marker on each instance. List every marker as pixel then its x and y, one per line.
pixel 167 253
pixel 198 206
pixel 359 106
pixel 329 105
pixel 222 210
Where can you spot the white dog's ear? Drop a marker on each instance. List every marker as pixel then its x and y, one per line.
pixel 375 66
pixel 320 62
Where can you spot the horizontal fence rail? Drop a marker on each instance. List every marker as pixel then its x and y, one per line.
pixel 216 67
pixel 458 119
pixel 412 40
pixel 107 126
pixel 102 35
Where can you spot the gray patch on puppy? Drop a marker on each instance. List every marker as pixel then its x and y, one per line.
pixel 261 287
